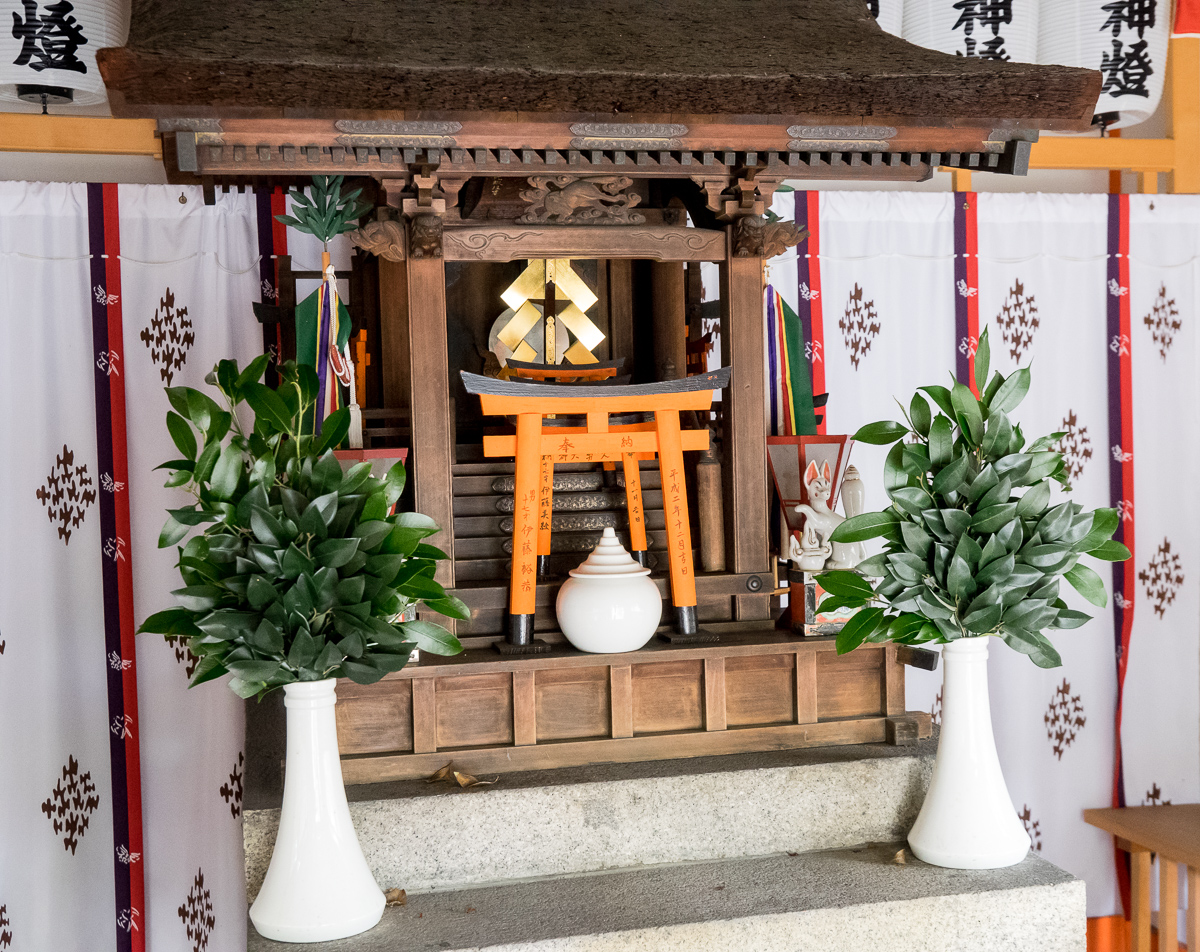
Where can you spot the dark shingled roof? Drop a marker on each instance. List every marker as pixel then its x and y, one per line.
pixel 803 58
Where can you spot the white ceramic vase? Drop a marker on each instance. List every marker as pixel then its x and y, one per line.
pixel 318 886
pixel 967 820
pixel 609 604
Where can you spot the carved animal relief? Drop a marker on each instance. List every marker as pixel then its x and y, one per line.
pixel 426 237
pixel 382 238
pixel 566 200
pixel 748 237
pixel 169 337
pixel 778 236
pixel 1018 320
pixel 859 325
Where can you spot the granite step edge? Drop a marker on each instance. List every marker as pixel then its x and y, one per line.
pixel 490 835
pixel 857 898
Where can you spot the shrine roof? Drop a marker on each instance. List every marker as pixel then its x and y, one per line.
pixel 809 59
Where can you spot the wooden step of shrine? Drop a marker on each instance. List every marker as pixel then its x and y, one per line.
pixel 562 502
pixel 500 546
pixel 501 526
pixel 856 899
pixel 586 819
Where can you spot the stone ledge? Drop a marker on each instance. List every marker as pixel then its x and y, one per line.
pixel 844 899
pixel 421 837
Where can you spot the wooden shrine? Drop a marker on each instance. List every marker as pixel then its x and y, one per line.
pixel 550 178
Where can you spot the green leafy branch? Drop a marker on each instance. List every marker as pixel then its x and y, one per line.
pixel 972 545
pixel 300 571
pixel 327 213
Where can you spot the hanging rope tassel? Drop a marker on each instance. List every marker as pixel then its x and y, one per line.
pixel 355 436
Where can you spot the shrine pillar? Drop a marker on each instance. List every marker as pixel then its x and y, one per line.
pixel 429 394
pixel 747 499
pixel 669 302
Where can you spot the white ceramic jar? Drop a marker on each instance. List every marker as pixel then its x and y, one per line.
pixel 609 604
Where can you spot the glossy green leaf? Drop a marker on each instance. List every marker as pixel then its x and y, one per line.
pixel 912 500
pixel 868 525
pixel 1036 646
pixel 199 598
pixel 918 413
pixel 1104 524
pixel 966 411
pixel 1088 584
pixel 1012 391
pixel 951 477
pixel 941 441
pixel 182 435
pixel 957 521
pixel 993 518
pixel 858 629
pixel 941 396
pixel 983 620
pixel 1111 551
pixel 958 577
pixel 983 359
pixel 430 637
pixel 882 433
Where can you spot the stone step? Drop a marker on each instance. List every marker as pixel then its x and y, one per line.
pixel 421 836
pixel 851 899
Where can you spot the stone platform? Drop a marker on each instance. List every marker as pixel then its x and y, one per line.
pixel 420 837
pixel 857 900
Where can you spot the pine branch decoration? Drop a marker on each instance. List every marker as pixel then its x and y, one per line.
pixel 327 213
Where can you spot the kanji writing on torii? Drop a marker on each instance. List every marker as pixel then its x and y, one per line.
pixel 537 448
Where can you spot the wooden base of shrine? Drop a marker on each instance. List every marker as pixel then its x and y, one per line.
pixel 757 689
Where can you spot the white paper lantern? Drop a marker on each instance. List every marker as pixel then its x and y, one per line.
pixel 889 14
pixel 48 48
pixel 1127 42
pixel 990 29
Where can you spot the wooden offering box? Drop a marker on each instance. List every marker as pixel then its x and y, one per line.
pixel 755 690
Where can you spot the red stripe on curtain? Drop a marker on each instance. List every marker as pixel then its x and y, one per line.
pixel 818 322
pixel 120 465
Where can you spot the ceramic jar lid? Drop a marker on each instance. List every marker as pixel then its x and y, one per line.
pixel 609 560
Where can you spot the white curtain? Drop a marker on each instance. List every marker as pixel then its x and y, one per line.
pixel 190 275
pixel 1043 294
pixel 110 293
pixel 890 291
pixel 57 851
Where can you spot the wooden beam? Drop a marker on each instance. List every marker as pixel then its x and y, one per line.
pixel 508 241
pixel 84 135
pixel 1061 152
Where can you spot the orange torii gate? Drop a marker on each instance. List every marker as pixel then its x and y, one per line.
pixel 537 447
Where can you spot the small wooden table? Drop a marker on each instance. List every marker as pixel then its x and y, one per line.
pixel 537 447
pixel 1173 832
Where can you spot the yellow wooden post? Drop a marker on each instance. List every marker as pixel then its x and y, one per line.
pixel 1184 66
